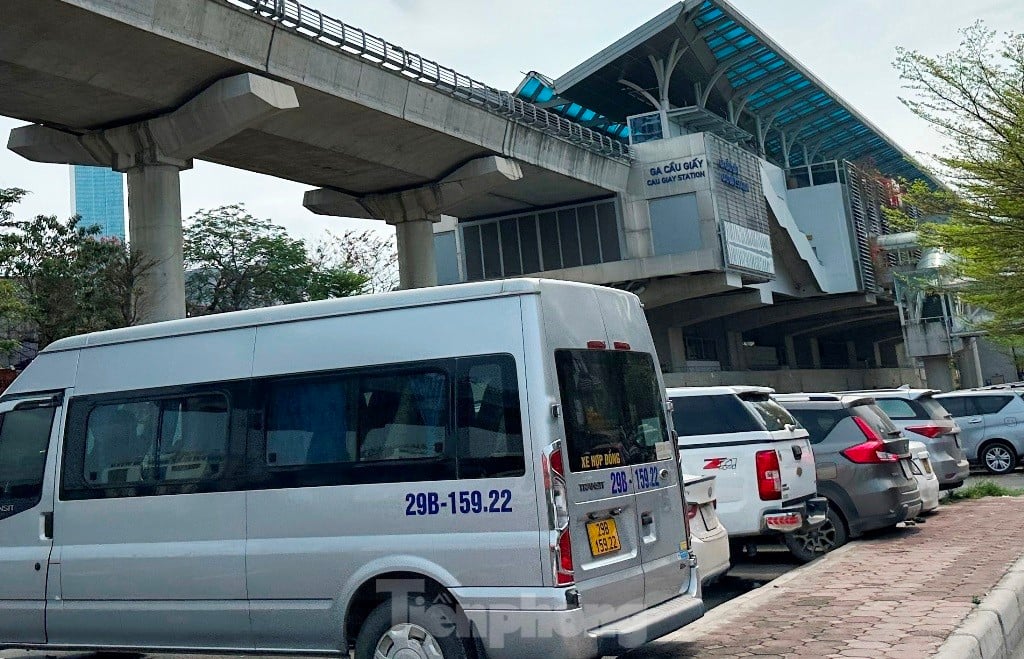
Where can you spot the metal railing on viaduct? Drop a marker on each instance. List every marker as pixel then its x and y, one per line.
pixel 314 25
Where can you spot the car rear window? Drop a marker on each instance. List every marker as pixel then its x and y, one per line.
pixel 897 408
pixel 819 423
pixel 989 404
pixel 774 416
pixel 712 415
pixel 876 418
pixel 933 407
pixel 612 402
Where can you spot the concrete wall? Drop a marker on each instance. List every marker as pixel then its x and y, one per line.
pixel 802 380
pixel 820 213
pixel 996 363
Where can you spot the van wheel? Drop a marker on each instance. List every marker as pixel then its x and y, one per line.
pixel 418 630
pixel 999 458
pixel 809 545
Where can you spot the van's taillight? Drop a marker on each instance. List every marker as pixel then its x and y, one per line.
pixel 870 452
pixel 620 345
pixel 558 514
pixel 769 475
pixel 596 345
pixel 930 430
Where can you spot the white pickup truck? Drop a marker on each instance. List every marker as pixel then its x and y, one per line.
pixel 762 458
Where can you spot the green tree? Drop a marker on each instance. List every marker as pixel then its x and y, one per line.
pixel 974 96
pixel 236 261
pixel 64 276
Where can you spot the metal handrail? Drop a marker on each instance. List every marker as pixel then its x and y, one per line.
pixel 314 25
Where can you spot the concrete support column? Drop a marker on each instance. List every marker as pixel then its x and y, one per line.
pixel 969 363
pixel 414 211
pixel 815 352
pixel 734 344
pixel 878 354
pixel 937 373
pixel 417 264
pixel 851 353
pixel 677 349
pixel 791 361
pixel 153 153
pixel 154 224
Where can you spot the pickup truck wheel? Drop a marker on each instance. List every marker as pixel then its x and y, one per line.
pixel 809 545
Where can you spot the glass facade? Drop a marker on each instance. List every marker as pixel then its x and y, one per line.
pixel 560 238
pixel 97 195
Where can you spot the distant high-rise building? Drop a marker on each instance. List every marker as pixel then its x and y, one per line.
pixel 97 194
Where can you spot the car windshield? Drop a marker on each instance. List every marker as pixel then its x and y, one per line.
pixel 614 414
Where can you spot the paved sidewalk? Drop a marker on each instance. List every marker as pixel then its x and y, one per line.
pixel 900 594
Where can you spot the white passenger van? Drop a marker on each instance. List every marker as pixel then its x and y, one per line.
pixel 463 471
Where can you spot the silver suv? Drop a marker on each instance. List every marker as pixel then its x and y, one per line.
pixel 993 426
pixel 922 418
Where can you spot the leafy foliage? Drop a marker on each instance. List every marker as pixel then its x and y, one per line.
pixel 236 261
pixel 974 96
pixel 66 280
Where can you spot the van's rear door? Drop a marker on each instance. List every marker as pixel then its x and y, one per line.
pixel 791 444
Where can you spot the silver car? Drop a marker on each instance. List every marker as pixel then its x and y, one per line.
pixel 993 426
pixel 922 418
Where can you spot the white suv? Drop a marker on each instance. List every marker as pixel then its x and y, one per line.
pixel 761 456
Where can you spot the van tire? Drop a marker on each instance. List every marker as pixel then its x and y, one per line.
pixel 998 457
pixel 809 545
pixel 422 621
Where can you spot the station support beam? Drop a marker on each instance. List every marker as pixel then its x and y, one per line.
pixel 413 211
pixel 153 153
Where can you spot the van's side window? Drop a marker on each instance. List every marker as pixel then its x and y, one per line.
pixel 150 443
pixel 490 429
pixel 24 438
pixel 360 427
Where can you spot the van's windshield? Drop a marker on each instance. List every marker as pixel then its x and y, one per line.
pixel 613 408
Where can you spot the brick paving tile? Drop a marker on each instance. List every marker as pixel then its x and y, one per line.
pixel 899 594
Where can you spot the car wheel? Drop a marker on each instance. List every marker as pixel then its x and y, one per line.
pixel 809 545
pixel 999 458
pixel 420 630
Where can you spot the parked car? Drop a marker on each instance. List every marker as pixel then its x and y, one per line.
pixel 709 539
pixel 927 481
pixel 863 467
pixel 760 454
pixel 992 426
pixel 921 417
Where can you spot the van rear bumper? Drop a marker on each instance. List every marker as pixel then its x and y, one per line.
pixel 563 634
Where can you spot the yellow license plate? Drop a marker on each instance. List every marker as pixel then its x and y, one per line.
pixel 604 537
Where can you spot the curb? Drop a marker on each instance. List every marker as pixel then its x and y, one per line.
pixel 736 607
pixel 995 629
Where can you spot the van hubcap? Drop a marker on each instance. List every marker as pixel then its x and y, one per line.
pixel 407 641
pixel 997 458
pixel 820 540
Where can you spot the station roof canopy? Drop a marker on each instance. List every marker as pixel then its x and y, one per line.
pixel 729 66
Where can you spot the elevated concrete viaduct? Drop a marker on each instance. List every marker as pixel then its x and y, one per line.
pixel 357 123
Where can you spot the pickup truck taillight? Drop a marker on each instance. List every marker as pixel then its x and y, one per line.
pixel 769 475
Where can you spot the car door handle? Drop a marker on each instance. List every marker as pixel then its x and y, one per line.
pixel 646 519
pixel 974 421
pixel 47 526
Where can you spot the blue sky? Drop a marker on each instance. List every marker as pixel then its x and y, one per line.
pixel 848 45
